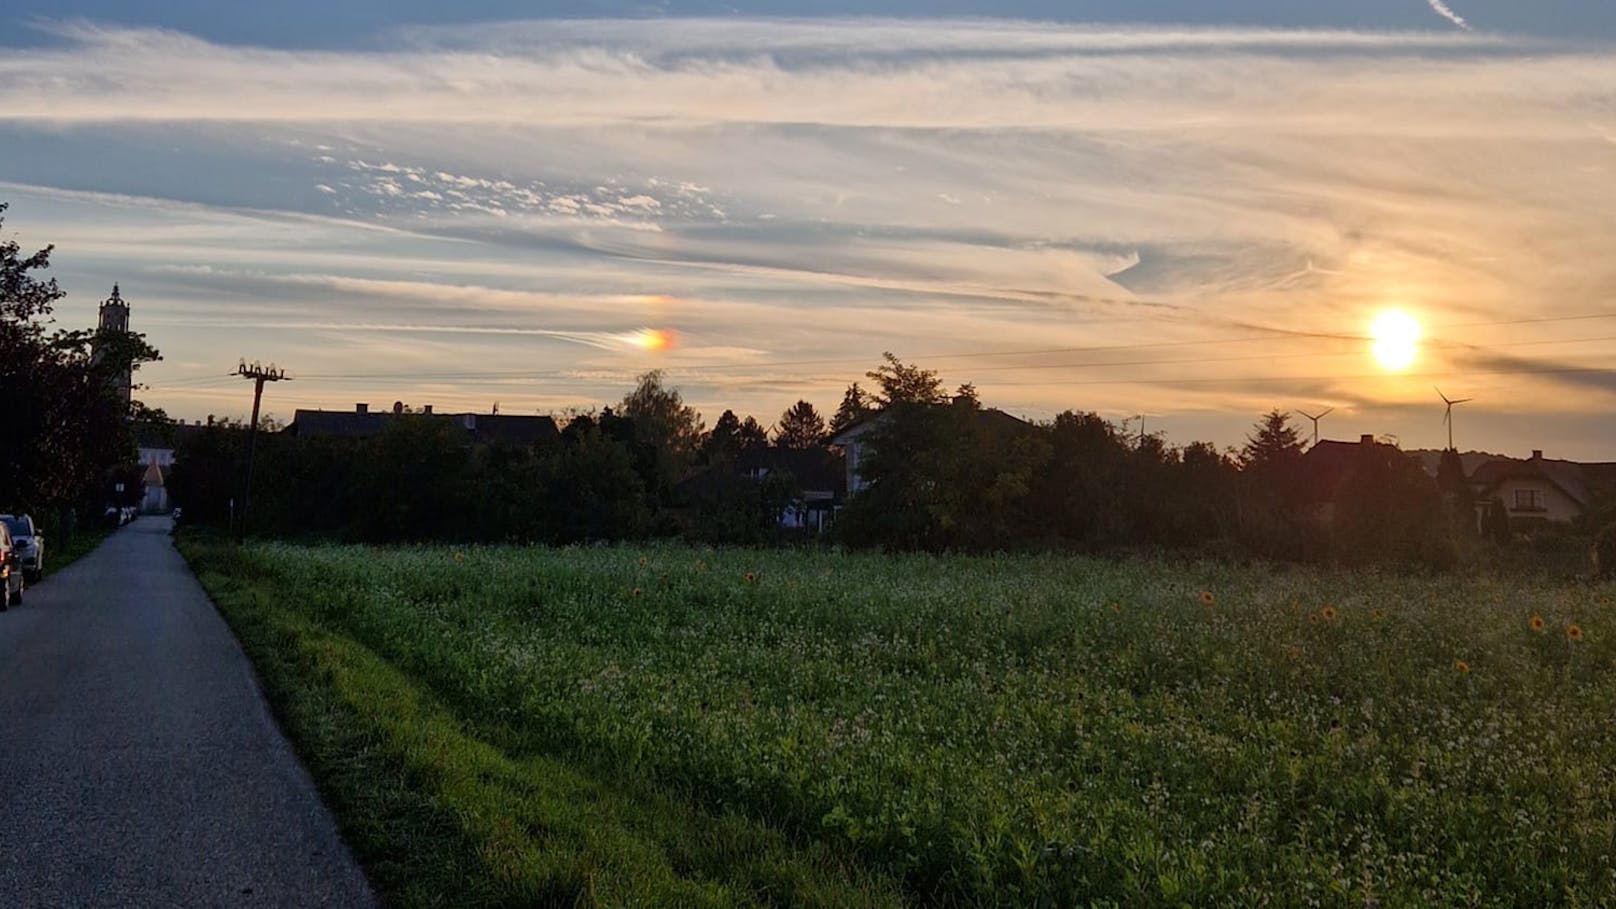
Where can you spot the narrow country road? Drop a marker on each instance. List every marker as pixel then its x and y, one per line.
pixel 139 765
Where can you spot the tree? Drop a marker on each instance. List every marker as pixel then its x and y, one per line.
pixel 1457 496
pixel 902 383
pixel 1271 521
pixel 661 416
pixel 65 429
pixel 800 427
pixel 722 443
pixel 855 406
pixel 752 436
pixel 946 477
pixel 664 423
pixel 1276 445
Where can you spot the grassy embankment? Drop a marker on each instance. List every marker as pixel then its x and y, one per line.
pixel 61 552
pixel 671 726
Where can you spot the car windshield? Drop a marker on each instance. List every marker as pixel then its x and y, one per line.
pixel 15 525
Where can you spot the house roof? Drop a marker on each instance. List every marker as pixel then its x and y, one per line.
pixel 1328 461
pixel 509 429
pixel 1568 476
pixel 816 469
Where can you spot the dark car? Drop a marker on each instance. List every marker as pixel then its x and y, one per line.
pixel 11 581
pixel 29 543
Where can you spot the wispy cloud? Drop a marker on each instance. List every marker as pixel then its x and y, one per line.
pixel 1446 12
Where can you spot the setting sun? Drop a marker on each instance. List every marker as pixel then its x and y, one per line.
pixel 1396 336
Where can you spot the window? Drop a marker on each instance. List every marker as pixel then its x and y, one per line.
pixel 1529 500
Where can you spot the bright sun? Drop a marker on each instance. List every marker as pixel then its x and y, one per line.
pixel 1396 335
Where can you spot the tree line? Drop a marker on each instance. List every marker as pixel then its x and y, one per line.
pixel 940 472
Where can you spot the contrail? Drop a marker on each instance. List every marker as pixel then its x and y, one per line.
pixel 1446 12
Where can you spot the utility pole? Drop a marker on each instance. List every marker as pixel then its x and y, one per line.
pixel 259 374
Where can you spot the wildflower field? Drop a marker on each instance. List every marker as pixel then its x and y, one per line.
pixel 685 727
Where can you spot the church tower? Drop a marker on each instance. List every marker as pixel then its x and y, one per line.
pixel 115 318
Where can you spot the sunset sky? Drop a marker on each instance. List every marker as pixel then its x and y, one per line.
pixel 1188 210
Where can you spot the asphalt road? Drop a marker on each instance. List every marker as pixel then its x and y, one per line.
pixel 139 764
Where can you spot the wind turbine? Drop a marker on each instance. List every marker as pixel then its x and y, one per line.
pixel 1316 420
pixel 1447 416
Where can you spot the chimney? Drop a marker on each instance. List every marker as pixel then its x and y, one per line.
pixel 426 408
pixel 1366 439
pixel 398 407
pixel 361 408
pixel 1537 454
pixel 210 419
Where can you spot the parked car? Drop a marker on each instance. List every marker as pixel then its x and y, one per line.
pixel 11 580
pixel 29 543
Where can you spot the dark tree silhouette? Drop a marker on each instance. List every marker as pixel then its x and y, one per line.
pixel 666 427
pixel 1275 444
pixel 855 406
pixel 800 427
pixel 64 429
pixel 752 436
pixel 902 383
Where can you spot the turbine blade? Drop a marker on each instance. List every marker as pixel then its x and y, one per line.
pixel 1463 400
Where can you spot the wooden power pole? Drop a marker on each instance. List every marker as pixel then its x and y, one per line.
pixel 259 374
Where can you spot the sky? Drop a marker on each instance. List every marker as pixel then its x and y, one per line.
pixel 1183 211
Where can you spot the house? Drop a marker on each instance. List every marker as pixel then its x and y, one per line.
pixel 1327 464
pixel 362 423
pixel 155 444
pixel 816 472
pixel 816 475
pixel 1539 489
pixel 155 499
pixel 854 440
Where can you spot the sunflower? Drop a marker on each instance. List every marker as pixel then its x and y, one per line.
pixel 750 577
pixel 1574 632
pixel 1537 623
pixel 1462 666
pixel 1208 598
pixel 636 592
pixel 1327 613
pixel 1377 613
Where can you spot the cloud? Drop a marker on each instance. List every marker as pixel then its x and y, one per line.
pixel 1446 12
pixel 794 197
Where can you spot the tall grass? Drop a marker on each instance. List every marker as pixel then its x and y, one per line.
pixel 1020 731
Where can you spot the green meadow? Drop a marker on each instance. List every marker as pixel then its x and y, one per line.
pixel 676 726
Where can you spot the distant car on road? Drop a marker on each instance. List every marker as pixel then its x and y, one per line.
pixel 11 580
pixel 29 543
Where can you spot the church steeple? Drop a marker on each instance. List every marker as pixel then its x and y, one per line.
pixel 114 312
pixel 115 319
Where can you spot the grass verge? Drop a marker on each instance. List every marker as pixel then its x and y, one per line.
pixel 438 816
pixel 60 554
